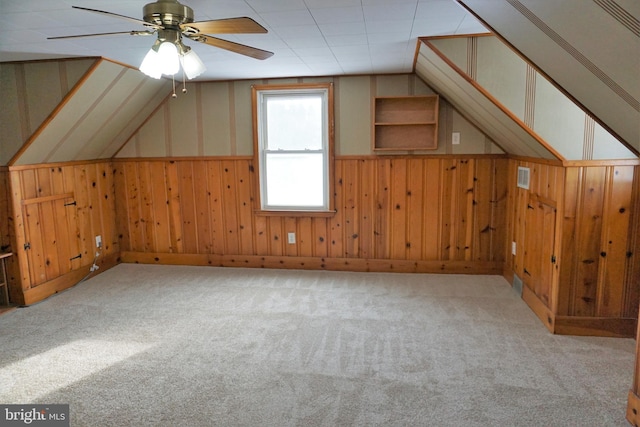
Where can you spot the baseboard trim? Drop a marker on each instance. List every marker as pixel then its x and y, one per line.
pixel 539 308
pixel 51 287
pixel 596 326
pixel 633 408
pixel 313 263
pixel 576 325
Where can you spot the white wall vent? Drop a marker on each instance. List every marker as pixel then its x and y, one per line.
pixel 523 177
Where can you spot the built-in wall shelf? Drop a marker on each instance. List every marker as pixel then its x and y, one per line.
pixel 402 123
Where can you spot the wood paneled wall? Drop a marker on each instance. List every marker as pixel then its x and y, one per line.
pixel 600 232
pixel 57 210
pixel 5 240
pixel 6 229
pixel 420 209
pixel 579 260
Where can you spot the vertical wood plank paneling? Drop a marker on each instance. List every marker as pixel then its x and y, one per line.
pixel 499 201
pixel 107 207
pixel 245 206
pixel 147 211
pixel 121 207
pixel 632 290
pixel 50 239
pixel 615 236
pixel 63 228
pixel 84 214
pixel 230 203
pixel 218 232
pixel 74 225
pixel 58 230
pixel 432 195
pixel 350 207
pixel 160 200
pixel 203 217
pixel 466 217
pixel 415 208
pixel 398 212
pixel 569 257
pixel 304 237
pixel 188 207
pixel 95 209
pixel 383 206
pixel 588 242
pixel 20 224
pixel 43 179
pixel 35 254
pixel 276 235
pixel 448 205
pixel 366 207
pixel 483 194
pixel 136 236
pixel 7 235
pixel 387 208
pixel 320 237
pixel 336 232
pixel 290 226
pixel 175 213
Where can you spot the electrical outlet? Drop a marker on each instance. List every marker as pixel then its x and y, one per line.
pixel 98 241
pixel 292 238
pixel 513 248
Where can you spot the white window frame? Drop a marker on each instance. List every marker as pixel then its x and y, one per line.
pixel 259 95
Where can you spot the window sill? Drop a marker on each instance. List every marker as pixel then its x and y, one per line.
pixel 313 214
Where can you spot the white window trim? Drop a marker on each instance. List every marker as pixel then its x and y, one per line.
pixel 259 92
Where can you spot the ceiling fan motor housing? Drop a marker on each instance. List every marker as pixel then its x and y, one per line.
pixel 168 13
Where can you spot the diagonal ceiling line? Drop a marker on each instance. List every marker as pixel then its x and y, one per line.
pixel 621 15
pixel 576 54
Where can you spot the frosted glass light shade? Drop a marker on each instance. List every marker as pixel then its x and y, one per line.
pixel 151 64
pixel 192 64
pixel 168 58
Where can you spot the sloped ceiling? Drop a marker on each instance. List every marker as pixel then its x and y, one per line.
pixel 483 71
pixel 590 49
pixel 496 122
pixel 95 119
pixel 30 92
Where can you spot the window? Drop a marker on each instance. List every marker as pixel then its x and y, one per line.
pixel 294 147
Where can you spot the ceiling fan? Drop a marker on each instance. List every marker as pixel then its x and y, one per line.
pixel 171 20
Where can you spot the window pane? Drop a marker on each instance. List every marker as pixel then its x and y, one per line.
pixel 294 122
pixel 295 180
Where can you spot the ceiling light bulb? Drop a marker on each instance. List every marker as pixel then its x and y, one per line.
pixel 151 64
pixel 192 64
pixel 168 58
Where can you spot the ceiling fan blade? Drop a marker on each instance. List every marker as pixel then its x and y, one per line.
pixel 115 15
pixel 233 47
pixel 131 33
pixel 226 26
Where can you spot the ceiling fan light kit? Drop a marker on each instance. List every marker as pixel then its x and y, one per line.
pixel 172 20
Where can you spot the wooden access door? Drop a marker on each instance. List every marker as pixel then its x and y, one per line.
pixel 51 245
pixel 540 239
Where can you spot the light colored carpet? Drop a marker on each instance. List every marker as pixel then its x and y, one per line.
pixel 144 345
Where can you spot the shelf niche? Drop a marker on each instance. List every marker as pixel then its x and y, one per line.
pixel 405 123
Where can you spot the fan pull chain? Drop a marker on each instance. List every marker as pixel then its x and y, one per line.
pixel 184 82
pixel 173 80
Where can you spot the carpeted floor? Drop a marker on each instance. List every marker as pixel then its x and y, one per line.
pixel 199 346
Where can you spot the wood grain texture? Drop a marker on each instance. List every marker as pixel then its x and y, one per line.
pixel 384 210
pixel 57 211
pixel 593 240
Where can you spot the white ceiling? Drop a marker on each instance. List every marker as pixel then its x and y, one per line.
pixel 308 37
